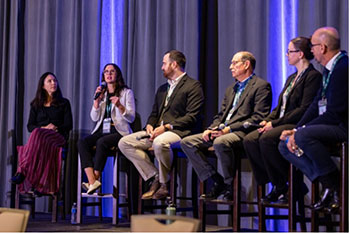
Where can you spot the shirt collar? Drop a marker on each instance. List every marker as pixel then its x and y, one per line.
pixel 176 80
pixel 330 62
pixel 243 82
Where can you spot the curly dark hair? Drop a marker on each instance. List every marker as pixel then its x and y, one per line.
pixel 119 84
pixel 41 95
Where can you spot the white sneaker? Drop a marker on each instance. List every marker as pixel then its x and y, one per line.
pixel 85 186
pixel 93 187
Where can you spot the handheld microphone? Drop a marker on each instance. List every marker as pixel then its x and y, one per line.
pixel 221 126
pixel 103 86
pixel 218 128
pixel 143 137
pixel 247 124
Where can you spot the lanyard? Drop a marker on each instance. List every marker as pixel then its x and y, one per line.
pixel 108 106
pixel 293 82
pixel 240 89
pixel 108 109
pixel 325 80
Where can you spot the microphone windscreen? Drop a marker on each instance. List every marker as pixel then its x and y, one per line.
pixel 103 84
pixel 221 126
pixel 246 124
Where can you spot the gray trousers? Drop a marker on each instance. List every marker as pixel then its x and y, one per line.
pixel 195 147
pixel 135 151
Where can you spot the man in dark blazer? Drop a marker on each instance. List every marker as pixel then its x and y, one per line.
pixel 247 99
pixel 174 115
pixel 325 121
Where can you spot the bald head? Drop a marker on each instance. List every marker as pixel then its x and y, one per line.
pixel 328 36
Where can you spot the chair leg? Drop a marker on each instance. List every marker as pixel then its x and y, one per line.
pixel 202 206
pixel 194 193
pixel 79 213
pixel 261 209
pixel 100 208
pixel 17 197
pixel 54 208
pixel 291 200
pixel 344 212
pixel 314 214
pixel 128 194
pixel 236 217
pixel 61 195
pixel 173 180
pixel 116 197
pixel 140 201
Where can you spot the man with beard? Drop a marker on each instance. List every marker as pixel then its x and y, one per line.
pixel 176 110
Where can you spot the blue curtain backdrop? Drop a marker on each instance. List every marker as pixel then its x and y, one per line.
pixel 75 39
pixel 111 52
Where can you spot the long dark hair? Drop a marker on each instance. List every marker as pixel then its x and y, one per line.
pixel 119 84
pixel 41 95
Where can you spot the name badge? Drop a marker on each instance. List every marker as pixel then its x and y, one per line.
pixel 322 106
pixel 107 125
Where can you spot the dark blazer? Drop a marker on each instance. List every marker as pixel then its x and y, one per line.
pixel 337 95
pixel 183 109
pixel 253 106
pixel 299 98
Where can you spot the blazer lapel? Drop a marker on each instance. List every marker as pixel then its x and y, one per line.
pixel 229 104
pixel 245 93
pixel 162 97
pixel 173 95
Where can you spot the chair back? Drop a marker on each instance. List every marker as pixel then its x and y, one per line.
pixel 13 220
pixel 156 223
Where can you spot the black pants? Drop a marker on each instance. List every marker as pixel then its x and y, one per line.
pixel 103 143
pixel 267 163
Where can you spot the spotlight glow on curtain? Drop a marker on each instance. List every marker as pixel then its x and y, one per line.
pixel 282 28
pixel 111 52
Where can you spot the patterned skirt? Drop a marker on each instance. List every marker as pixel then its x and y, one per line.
pixel 40 161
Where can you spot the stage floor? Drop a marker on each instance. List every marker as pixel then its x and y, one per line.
pixel 42 223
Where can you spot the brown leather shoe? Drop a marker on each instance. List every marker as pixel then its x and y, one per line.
pixel 154 187
pixel 162 192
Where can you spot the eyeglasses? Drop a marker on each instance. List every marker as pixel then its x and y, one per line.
pixel 312 45
pixel 109 71
pixel 292 51
pixel 234 63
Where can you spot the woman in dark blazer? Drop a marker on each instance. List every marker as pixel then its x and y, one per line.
pixel 261 145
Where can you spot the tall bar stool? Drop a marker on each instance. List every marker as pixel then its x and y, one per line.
pixel 340 150
pixel 57 199
pixel 235 204
pixel 295 196
pixel 119 158
pixel 177 154
pixel 115 195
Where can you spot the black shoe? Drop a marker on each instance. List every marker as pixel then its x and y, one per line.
pixel 283 199
pixel 18 178
pixel 228 196
pixel 37 193
pixel 215 191
pixel 275 194
pixel 334 204
pixel 325 199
